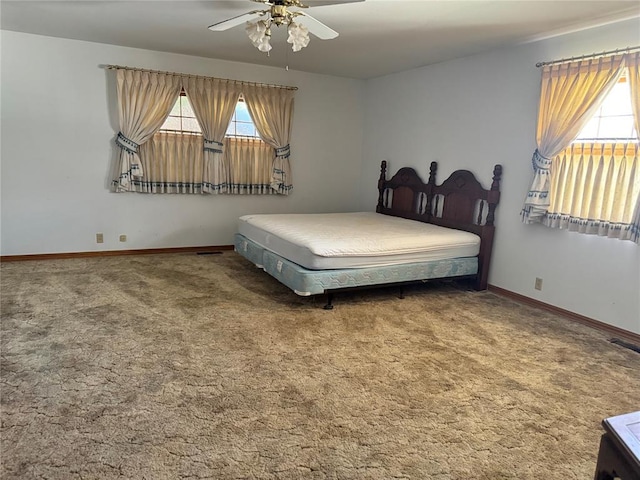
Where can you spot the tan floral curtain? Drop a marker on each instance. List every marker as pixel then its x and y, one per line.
pixel 144 102
pixel 272 112
pixel 214 101
pixel 570 95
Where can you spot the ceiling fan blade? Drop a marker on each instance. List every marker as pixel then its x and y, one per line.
pixel 232 22
pixel 316 27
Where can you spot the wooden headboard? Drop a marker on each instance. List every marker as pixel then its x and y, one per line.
pixel 460 202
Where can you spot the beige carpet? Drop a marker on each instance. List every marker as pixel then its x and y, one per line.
pixel 187 366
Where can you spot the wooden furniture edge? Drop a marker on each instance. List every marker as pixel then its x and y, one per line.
pixel 576 317
pixel 113 253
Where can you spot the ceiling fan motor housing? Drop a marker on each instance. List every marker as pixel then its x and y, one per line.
pixel 280 15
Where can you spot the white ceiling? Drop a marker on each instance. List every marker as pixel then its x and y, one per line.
pixel 377 37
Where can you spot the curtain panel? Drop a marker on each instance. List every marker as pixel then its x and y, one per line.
pixel 271 110
pixel 144 102
pixel 173 163
pixel 214 101
pixel 569 96
pixel 250 166
pixel 594 189
pixel 633 75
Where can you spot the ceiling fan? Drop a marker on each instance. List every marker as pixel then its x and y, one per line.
pixel 298 23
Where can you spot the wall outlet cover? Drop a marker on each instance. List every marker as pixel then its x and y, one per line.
pixel 538 284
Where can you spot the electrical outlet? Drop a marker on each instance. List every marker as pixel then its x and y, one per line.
pixel 123 238
pixel 538 285
pixel 99 238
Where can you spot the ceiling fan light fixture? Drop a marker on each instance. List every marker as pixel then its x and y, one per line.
pixel 298 36
pixel 264 46
pixel 259 33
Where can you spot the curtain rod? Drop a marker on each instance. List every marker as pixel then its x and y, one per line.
pixel 592 55
pixel 240 82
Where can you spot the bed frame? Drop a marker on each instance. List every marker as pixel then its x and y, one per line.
pixel 460 202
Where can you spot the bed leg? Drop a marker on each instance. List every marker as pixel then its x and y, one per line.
pixel 329 305
pixel 401 297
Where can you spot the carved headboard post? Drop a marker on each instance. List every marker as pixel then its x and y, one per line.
pixel 494 194
pixel 431 183
pixel 381 181
pixel 432 173
pixel 493 197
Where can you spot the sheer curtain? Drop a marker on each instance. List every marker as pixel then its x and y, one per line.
pixel 144 102
pixel 271 110
pixel 214 101
pixel 570 94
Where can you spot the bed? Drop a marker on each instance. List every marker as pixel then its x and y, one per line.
pixel 419 232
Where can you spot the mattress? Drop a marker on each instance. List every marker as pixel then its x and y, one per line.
pixel 355 240
pixel 314 282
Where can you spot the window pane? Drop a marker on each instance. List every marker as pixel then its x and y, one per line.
pixel 171 123
pixel 187 111
pixel 190 125
pixel 618 102
pixel 242 113
pixel 245 129
pixel 241 123
pixel 175 111
pixel 614 118
pixel 590 130
pixel 616 127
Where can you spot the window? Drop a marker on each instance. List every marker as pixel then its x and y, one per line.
pixel 182 119
pixel 595 182
pixel 593 185
pixel 613 121
pixel 241 124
